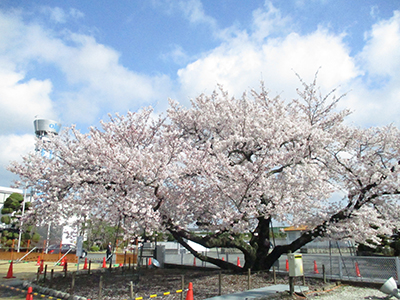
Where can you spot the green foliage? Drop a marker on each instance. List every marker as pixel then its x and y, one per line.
pixel 6 219
pixel 94 248
pixel 16 197
pixel 35 237
pixel 100 233
pixel 26 236
pixel 11 212
pixel 279 235
pixel 5 211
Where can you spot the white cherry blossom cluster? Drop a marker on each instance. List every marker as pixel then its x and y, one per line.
pixel 220 165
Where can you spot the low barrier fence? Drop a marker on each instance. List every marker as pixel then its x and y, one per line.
pixel 37 255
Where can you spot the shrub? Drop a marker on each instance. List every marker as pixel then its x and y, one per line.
pixel 94 248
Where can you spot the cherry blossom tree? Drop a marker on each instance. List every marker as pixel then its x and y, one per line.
pixel 225 166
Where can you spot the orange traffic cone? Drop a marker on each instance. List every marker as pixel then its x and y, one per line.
pixel 41 266
pixel 238 262
pixel 194 261
pixel 223 258
pixel 149 261
pixel 29 295
pixel 38 261
pixel 287 265
pixel 189 295
pixel 10 271
pixel 85 266
pixel 104 262
pixel 315 268
pixel 358 271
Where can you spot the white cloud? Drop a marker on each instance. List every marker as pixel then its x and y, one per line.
pixel 13 147
pixel 56 14
pixel 177 54
pixel 194 12
pixel 59 15
pixel 372 78
pixel 240 64
pixel 98 83
pixel 22 101
pixel 95 76
pixel 375 97
pixel 381 55
pixel 269 21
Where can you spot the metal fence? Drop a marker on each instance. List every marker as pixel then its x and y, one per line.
pixel 374 269
pixel 354 268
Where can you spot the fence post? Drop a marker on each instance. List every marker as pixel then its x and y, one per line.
pixel 397 268
pixel 45 273
pixel 51 278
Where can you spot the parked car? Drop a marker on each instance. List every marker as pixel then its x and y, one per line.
pixel 70 248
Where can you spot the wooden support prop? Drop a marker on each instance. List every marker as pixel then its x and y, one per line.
pixel 183 285
pixel 100 288
pixel 249 279
pixel 131 289
pixel 72 284
pixel 219 283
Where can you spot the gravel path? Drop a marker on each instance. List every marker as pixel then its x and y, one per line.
pixel 345 292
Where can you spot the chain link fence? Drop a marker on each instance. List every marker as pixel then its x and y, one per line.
pixel 337 267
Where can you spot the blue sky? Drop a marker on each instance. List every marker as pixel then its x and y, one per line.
pixel 77 61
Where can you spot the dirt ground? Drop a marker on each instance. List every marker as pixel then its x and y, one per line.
pixel 117 284
pixel 25 271
pixel 146 282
